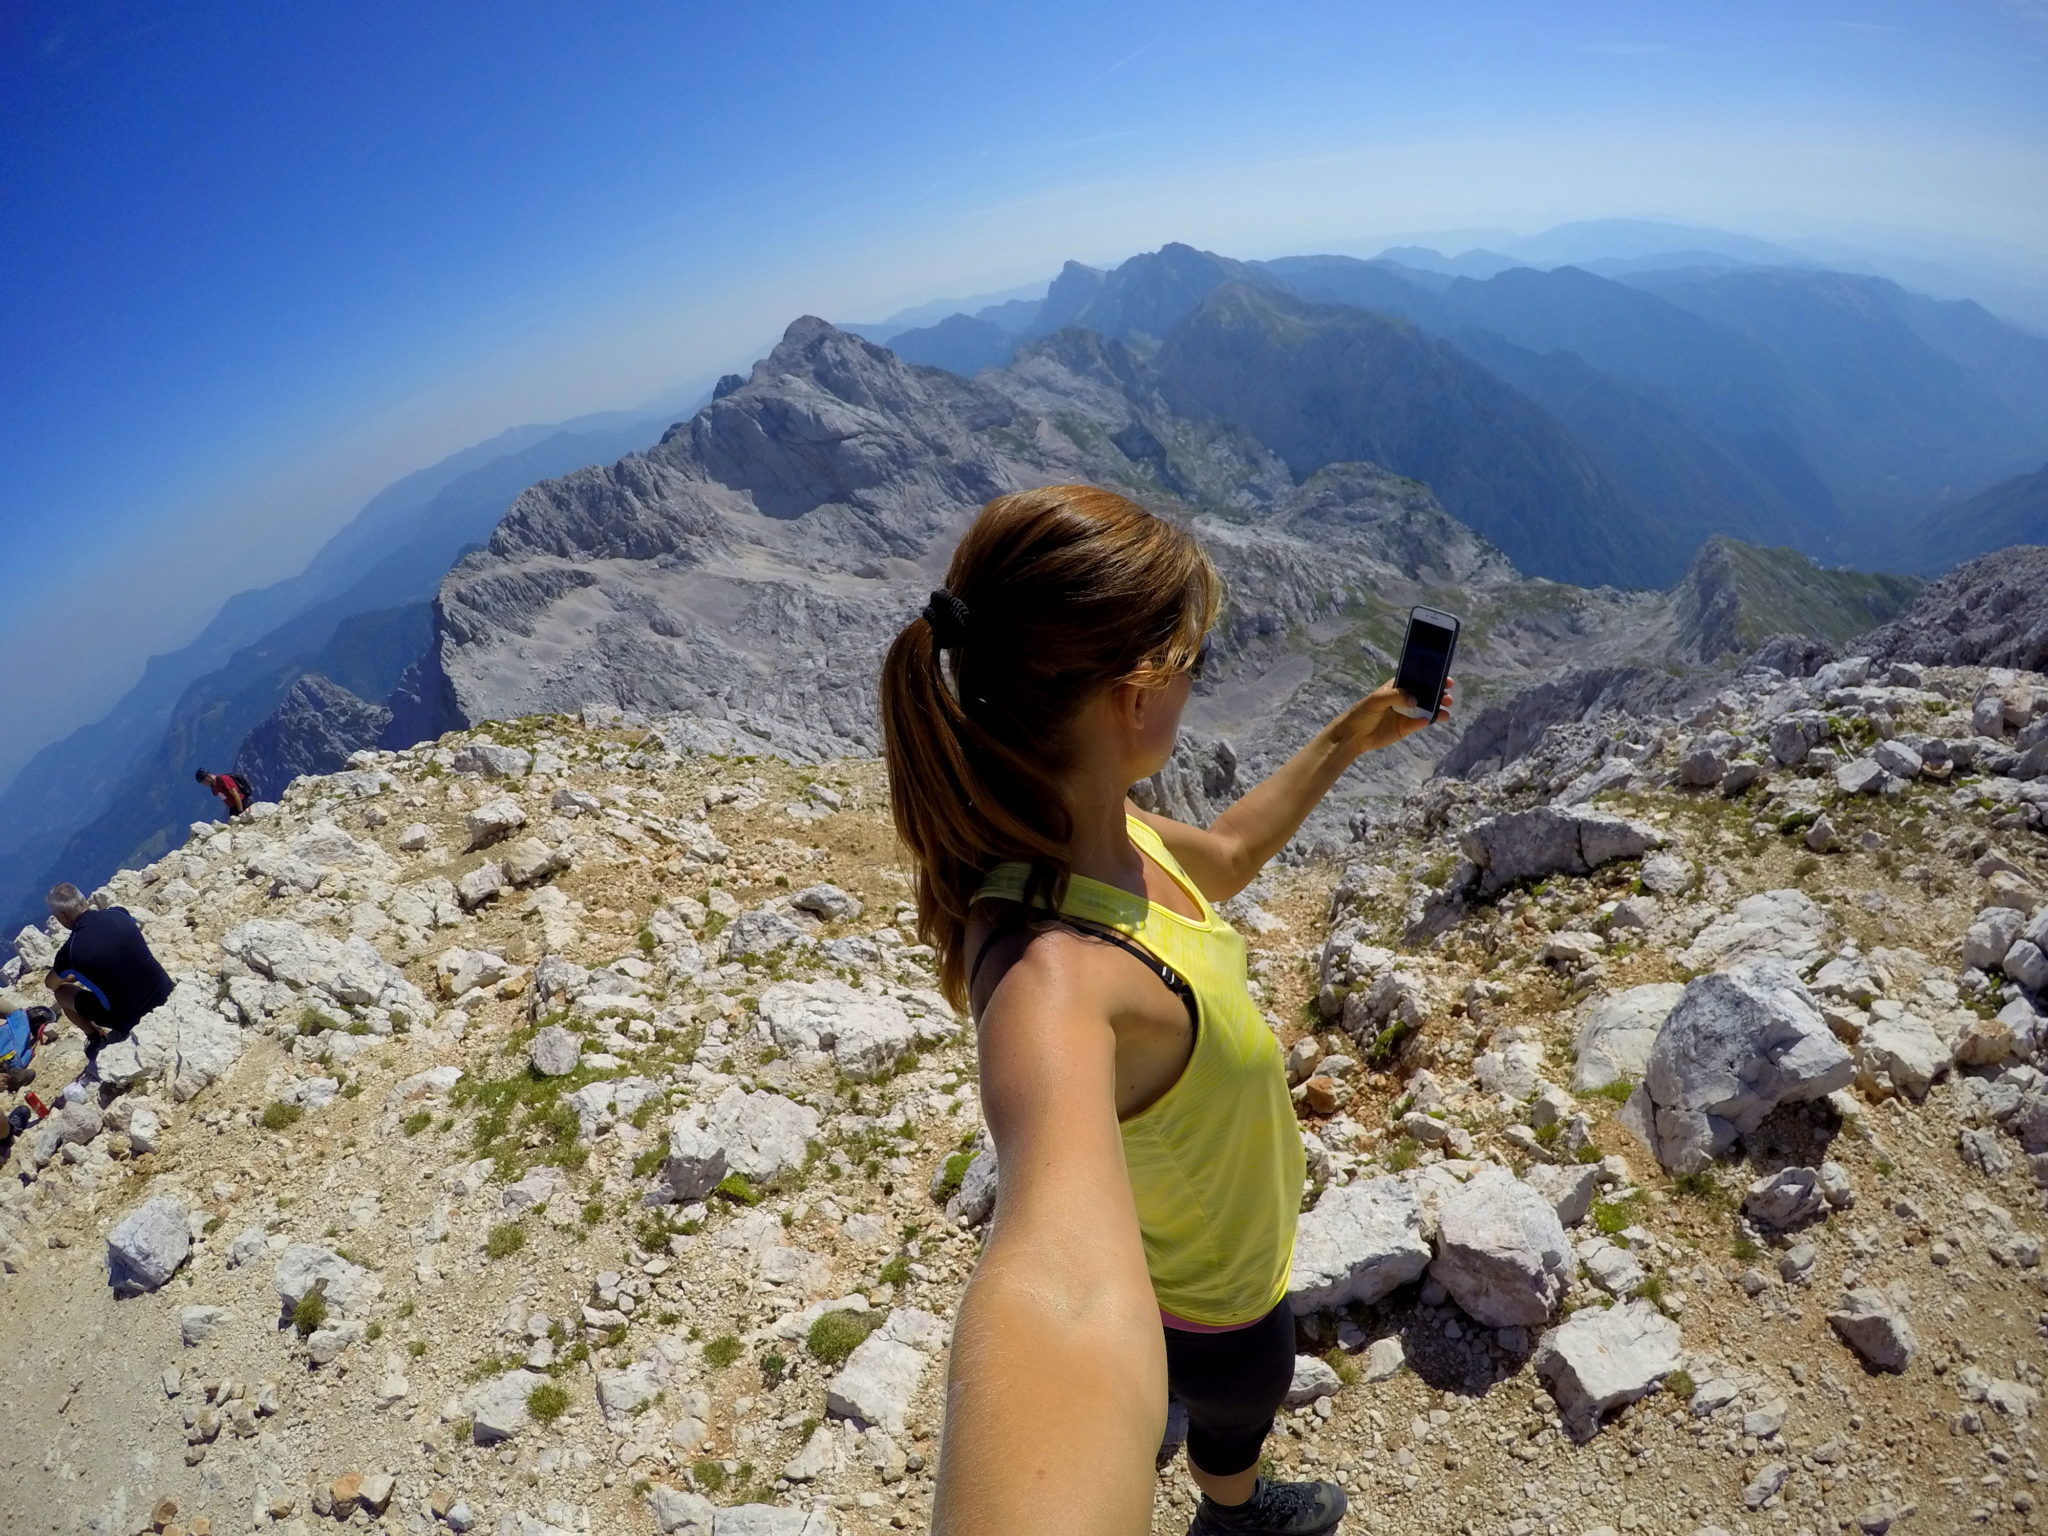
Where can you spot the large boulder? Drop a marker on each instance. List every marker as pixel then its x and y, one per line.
pixel 1602 1357
pixel 1995 931
pixel 1360 1242
pixel 1616 1033
pixel 146 1246
pixel 695 1162
pixel 1738 1044
pixel 1501 1251
pixel 1550 840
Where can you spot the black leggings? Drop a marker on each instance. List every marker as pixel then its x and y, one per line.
pixel 1232 1385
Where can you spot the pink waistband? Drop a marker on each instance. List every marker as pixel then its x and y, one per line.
pixel 1185 1326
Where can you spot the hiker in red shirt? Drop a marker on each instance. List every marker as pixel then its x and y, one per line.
pixel 235 791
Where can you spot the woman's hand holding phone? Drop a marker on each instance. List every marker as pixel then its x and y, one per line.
pixel 1387 714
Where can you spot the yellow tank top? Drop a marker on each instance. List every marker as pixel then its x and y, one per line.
pixel 1216 1164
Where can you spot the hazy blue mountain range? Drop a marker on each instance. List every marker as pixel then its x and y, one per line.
pixel 94 799
pixel 1817 407
pixel 1596 401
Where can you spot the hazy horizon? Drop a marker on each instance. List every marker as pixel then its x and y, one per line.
pixel 267 265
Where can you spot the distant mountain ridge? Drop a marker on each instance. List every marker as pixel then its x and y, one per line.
pixel 1594 425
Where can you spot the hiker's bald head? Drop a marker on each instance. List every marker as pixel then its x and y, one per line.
pixel 67 903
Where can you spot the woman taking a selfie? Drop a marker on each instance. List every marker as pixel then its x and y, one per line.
pixel 1150 1164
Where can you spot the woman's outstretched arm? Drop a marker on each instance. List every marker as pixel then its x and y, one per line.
pixel 1056 1392
pixel 1228 854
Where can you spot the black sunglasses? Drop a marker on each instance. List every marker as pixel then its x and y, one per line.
pixel 1201 657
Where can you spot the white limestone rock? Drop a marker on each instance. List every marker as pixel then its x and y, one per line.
pixel 1782 924
pixel 1901 1055
pixel 1602 1357
pixel 1360 1242
pixel 349 1289
pixel 1738 1044
pixel 1501 1251
pixel 1617 1031
pixel 877 1383
pixel 146 1246
pixel 1875 1326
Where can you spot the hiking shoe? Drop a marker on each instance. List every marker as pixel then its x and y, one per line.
pixel 1274 1509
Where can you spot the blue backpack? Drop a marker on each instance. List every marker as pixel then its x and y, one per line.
pixel 19 1037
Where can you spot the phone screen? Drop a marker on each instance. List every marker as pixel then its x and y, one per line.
pixel 1426 658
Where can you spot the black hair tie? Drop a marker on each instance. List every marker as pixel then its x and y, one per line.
pixel 947 616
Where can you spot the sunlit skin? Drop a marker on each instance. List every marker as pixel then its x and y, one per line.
pixel 1058 1375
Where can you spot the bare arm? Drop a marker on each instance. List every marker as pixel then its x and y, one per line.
pixel 1226 856
pixel 1056 1395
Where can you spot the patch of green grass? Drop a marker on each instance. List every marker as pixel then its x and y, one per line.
pixel 310 1313
pixel 504 1240
pixel 593 1212
pixel 649 1161
pixel 1616 1092
pixel 547 1402
pixel 646 940
pixel 278 1115
pixel 722 1351
pixel 1345 1367
pixel 416 1348
pixel 1386 1045
pixel 1652 1290
pixel 314 1022
pixel 896 1271
pixel 774 1366
pixel 736 1188
pixel 1680 1384
pixel 1404 1155
pixel 709 1475
pixel 1885 1167
pixel 416 1122
pixel 954 1173
pixel 1700 1184
pixel 1611 1217
pixel 837 1334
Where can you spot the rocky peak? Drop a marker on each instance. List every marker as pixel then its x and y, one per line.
pixel 1735 595
pixel 1991 612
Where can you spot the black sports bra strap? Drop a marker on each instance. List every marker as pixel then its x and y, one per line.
pixel 1175 982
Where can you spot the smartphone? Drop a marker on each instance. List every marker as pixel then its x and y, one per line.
pixel 1426 661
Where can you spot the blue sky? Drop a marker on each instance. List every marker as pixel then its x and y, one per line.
pixel 261 260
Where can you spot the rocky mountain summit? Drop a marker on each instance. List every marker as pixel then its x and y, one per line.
pixel 555 1130
pixel 752 567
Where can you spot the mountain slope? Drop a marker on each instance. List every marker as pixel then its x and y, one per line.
pixel 1327 384
pixel 2013 511
pixel 78 809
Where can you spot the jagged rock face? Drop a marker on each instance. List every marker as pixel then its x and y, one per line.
pixel 1992 612
pixel 313 731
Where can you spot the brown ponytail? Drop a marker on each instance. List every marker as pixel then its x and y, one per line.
pixel 1067 589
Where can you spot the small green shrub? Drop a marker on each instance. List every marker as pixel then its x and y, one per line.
pixel 593 1212
pixel 416 1348
pixel 1611 1217
pixel 736 1188
pixel 722 1351
pixel 709 1475
pixel 547 1402
pixel 416 1122
pixel 1680 1384
pixel 310 1313
pixel 954 1174
pixel 1616 1092
pixel 1700 1184
pixel 1748 1249
pixel 278 1115
pixel 504 1240
pixel 837 1334
pixel 1403 1156
pixel 774 1366
pixel 896 1271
